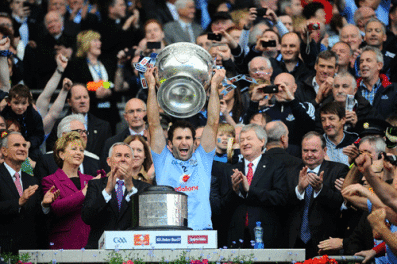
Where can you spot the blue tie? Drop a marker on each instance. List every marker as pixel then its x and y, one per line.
pixel 305 230
pixel 119 192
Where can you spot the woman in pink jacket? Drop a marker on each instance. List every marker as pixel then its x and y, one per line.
pixel 68 231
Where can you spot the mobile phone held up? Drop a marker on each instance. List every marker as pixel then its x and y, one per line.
pixel 213 36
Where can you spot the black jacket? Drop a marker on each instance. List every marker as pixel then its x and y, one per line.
pixel 103 216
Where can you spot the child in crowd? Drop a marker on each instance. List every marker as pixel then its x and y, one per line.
pixel 19 107
pixel 224 138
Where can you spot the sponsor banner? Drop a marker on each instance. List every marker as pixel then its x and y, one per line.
pixel 200 239
pixel 168 239
pixel 141 240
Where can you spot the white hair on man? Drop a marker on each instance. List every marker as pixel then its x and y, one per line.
pixel 64 125
pixel 4 141
pixel 179 4
pixel 119 144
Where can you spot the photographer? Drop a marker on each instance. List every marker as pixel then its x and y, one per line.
pixel 286 109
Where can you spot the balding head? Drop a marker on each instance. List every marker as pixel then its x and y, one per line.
pixel 362 15
pixel 286 83
pixel 352 36
pixel 135 111
pixel 260 68
pixel 277 135
pixel 54 23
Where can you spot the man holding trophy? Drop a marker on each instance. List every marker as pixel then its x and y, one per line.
pixel 174 161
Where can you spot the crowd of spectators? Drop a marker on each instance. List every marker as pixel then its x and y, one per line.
pixel 306 147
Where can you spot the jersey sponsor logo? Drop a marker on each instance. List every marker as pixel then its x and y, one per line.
pixel 290 117
pixel 168 239
pixel 141 240
pixel 389 54
pixel 186 188
pixel 201 239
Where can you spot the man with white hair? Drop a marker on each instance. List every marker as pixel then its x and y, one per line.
pixel 345 84
pixel 46 164
pixel 252 191
pixel 110 201
pixel 184 29
pixel 260 68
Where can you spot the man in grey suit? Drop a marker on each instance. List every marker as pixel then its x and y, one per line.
pixel 184 29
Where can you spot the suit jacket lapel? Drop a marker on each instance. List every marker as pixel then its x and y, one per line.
pixel 260 170
pixel 65 181
pixel 8 180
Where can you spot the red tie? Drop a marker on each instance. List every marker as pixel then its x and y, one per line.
pixel 250 175
pixel 18 184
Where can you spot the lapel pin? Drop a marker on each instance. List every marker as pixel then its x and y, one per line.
pixel 95 131
pixel 264 166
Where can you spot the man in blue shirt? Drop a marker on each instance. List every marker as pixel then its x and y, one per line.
pixel 175 163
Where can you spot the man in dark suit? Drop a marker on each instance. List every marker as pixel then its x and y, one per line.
pixel 39 62
pixel 313 199
pixel 183 30
pixel 20 198
pixel 98 129
pixel 252 191
pixel 46 164
pixel 109 202
pixel 134 114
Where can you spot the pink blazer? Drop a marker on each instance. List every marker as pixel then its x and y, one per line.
pixel 68 231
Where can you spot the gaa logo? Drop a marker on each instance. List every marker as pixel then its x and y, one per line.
pixel 119 240
pixel 197 239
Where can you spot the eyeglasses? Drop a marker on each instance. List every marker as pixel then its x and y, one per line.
pixel 81 131
pixel 260 69
pixel 138 111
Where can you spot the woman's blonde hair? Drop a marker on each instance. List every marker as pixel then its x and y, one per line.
pixel 84 39
pixel 62 143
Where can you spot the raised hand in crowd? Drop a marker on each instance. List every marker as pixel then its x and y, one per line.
pixel 351 117
pixel 284 92
pixel 50 196
pixel 237 178
pixel 271 15
pixel 27 193
pixel 250 18
pixel 316 181
pixel 339 184
pixel 112 179
pixel 133 20
pixel 325 90
pixel 303 180
pixel 351 152
pixel 230 41
pixel 60 49
pixel 5 44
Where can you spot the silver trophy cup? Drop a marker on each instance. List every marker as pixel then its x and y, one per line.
pixel 184 74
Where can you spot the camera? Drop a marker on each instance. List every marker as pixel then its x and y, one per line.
pixel 260 12
pixel 153 45
pixel 313 26
pixel 269 89
pixel 270 43
pixel 213 36
pixel 390 158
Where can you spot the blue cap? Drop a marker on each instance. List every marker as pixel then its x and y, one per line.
pixel 258 223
